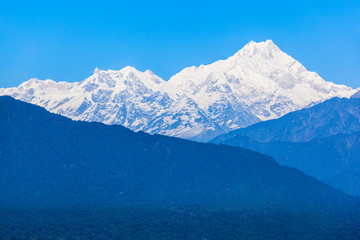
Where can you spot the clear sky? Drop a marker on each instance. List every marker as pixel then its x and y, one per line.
pixel 66 40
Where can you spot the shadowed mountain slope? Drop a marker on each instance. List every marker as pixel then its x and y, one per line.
pixel 62 178
pixel 323 141
pixel 47 159
pixel 336 115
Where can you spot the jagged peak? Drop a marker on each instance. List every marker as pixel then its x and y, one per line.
pixel 269 42
pixel 97 71
pixel 124 70
pixel 33 81
pixel 129 69
pixel 254 48
pixel 268 49
pixel 262 44
pixel 130 73
pixel 47 83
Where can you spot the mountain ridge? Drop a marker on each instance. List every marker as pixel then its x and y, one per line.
pixel 65 178
pixel 323 141
pixel 257 83
pixel 73 149
pixel 336 115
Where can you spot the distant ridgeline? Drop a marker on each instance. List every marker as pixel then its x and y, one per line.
pixel 152 186
pixel 323 141
pixel 259 82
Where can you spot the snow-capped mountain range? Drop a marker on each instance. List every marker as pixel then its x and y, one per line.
pixel 259 82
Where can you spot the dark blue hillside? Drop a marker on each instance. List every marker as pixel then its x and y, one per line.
pixel 334 160
pixel 334 116
pixel 333 153
pixel 50 162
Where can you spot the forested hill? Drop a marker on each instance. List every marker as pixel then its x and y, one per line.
pixel 51 162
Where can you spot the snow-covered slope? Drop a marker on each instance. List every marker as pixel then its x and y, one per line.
pixel 259 82
pixel 138 100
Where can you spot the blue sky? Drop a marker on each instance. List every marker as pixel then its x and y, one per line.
pixel 66 41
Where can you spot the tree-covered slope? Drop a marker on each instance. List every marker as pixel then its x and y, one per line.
pixel 49 159
pixel 323 141
pixel 55 174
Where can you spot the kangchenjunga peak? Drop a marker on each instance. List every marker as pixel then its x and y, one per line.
pixel 259 82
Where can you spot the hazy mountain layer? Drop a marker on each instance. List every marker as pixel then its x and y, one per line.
pixel 323 141
pixel 337 115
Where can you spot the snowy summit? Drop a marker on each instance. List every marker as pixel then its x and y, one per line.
pixel 259 82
